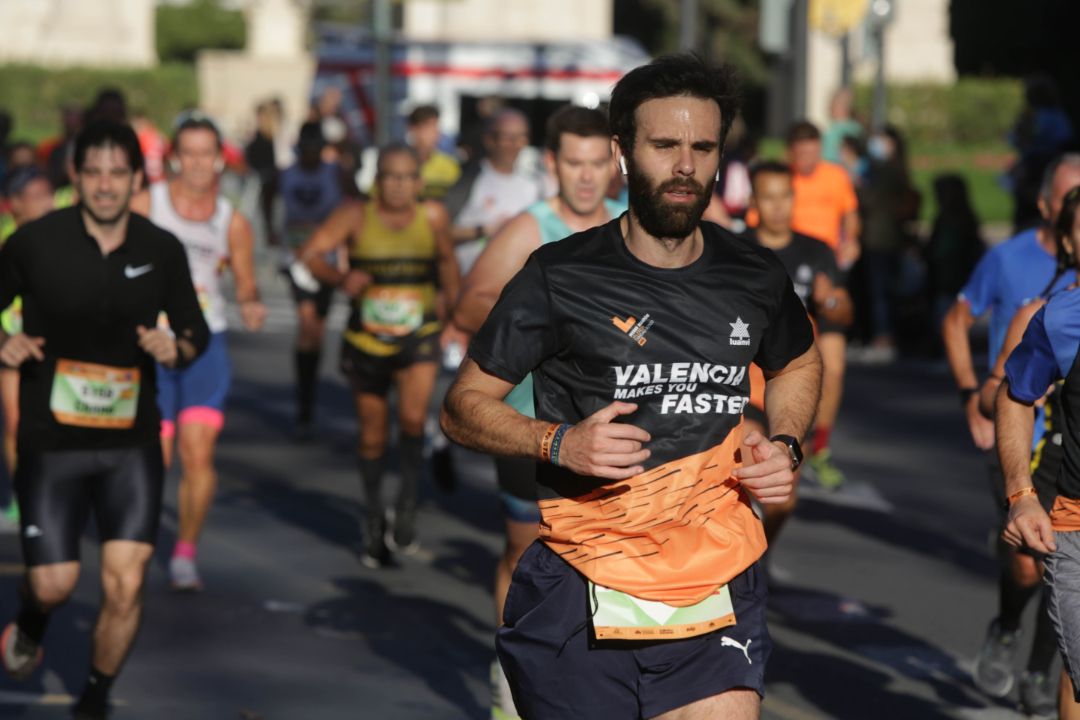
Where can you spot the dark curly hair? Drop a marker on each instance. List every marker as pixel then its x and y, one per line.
pixel 673 76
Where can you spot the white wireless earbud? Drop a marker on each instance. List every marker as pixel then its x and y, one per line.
pixel 622 165
pixel 219 166
pixel 717 174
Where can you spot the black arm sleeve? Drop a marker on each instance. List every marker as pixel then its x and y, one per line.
pixel 11 281
pixel 182 305
pixel 790 333
pixel 518 334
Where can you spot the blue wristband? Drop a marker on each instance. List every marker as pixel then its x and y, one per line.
pixel 556 442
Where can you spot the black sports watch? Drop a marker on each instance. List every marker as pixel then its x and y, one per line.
pixel 794 449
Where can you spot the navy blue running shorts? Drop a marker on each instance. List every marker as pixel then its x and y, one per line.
pixel 558 670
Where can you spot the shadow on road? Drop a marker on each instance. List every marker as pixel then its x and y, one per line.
pixel 867 692
pixel 893 529
pixel 427 638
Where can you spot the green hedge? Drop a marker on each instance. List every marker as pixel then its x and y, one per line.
pixel 33 95
pixel 184 30
pixel 970 112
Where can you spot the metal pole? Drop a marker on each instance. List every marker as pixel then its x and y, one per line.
pixel 383 31
pixel 879 107
pixel 845 60
pixel 688 22
pixel 800 29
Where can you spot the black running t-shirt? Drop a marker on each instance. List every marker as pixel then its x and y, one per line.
pixel 805 257
pixel 594 324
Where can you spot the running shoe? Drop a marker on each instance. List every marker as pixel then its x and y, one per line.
pixel 184 575
pixel 375 554
pixel 1038 695
pixel 20 655
pixel 993 673
pixel 828 475
pixel 80 712
pixel 402 539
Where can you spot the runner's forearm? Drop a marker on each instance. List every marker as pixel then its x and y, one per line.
pixel 484 424
pixel 791 396
pixel 1014 427
pixel 323 271
pixel 954 333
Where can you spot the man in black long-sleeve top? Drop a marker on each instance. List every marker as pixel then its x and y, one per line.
pixel 94 279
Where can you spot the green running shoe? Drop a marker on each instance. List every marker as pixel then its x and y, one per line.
pixel 11 512
pixel 828 475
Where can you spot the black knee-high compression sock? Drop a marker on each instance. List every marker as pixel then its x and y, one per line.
pixel 371 475
pixel 307 373
pixel 411 464
pixel 1014 598
pixel 31 620
pixel 94 702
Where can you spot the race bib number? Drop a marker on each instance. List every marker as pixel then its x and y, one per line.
pixel 94 396
pixel 618 616
pixel 392 311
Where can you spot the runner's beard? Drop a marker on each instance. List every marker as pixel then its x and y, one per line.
pixel 106 219
pixel 659 218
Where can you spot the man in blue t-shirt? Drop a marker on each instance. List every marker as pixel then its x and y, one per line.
pixel 1009 276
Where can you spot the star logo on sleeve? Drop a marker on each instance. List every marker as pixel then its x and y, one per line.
pixel 740 332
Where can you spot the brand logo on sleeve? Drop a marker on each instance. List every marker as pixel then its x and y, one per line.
pixel 635 328
pixel 740 332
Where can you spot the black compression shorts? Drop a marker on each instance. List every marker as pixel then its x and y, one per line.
pixel 374 374
pixel 57 490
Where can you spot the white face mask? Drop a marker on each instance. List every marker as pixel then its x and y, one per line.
pixel 878 148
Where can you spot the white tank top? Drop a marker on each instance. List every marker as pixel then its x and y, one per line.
pixel 207 245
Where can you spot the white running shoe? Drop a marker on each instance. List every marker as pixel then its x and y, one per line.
pixel 184 575
pixel 20 655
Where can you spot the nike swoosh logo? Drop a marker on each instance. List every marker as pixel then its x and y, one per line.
pixel 133 272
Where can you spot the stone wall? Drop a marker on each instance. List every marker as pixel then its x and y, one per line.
pixel 78 32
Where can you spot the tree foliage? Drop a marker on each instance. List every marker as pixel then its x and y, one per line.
pixel 184 30
pixel 726 30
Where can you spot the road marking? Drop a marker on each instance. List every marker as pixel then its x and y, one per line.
pixel 53 699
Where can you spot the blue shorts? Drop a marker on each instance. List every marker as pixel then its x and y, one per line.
pixel 558 670
pixel 197 392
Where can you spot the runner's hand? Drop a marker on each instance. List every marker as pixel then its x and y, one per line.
pixel 17 349
pixel 453 334
pixel 848 253
pixel 768 477
pixel 159 344
pixel 822 289
pixel 982 428
pixel 354 283
pixel 252 314
pixel 1029 526
pixel 598 447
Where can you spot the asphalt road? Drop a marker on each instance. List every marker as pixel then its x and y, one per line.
pixel 882 591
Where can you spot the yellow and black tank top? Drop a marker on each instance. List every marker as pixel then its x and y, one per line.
pixel 400 301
